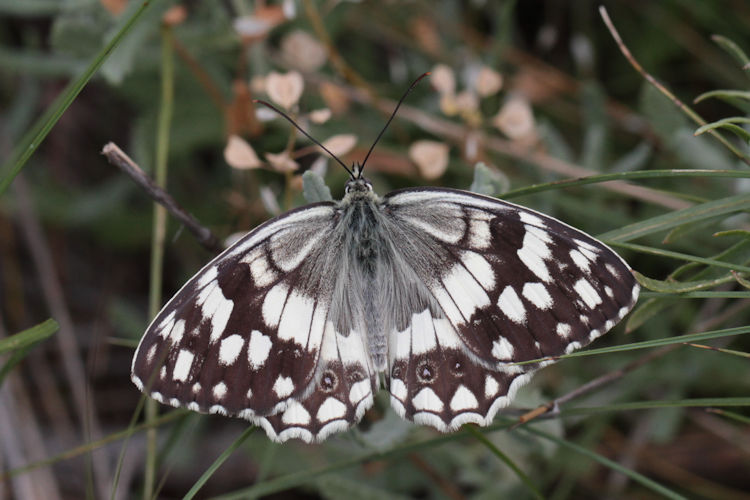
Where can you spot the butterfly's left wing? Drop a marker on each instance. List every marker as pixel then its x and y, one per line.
pixel 253 334
pixel 498 284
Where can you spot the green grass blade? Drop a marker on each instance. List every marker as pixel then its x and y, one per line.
pixel 33 138
pixel 635 476
pixel 649 405
pixel 622 176
pixel 667 221
pixel 647 344
pixel 219 461
pixel 733 49
pixel 679 256
pixel 730 414
pixel 29 336
pixel 526 480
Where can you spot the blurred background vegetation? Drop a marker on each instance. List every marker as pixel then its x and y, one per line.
pixel 536 90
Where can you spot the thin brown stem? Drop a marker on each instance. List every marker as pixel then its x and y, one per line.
pixel 661 88
pixel 117 157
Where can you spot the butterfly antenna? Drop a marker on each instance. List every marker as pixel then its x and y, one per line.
pixel 408 91
pixel 289 119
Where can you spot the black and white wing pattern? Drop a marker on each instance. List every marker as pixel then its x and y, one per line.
pixel 442 290
pixel 502 284
pixel 253 335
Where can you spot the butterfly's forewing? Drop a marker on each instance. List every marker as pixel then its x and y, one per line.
pixel 245 336
pixel 512 285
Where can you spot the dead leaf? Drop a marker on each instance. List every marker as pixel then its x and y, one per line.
pixel 285 89
pixel 302 51
pixel 515 119
pixel 488 82
pixel 431 157
pixel 238 153
pixel 340 144
pixel 115 7
pixel 319 116
pixel 443 79
pixel 282 162
pixel 336 99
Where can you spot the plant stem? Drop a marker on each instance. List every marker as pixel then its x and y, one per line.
pixel 159 231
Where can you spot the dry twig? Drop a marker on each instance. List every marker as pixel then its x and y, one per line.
pixel 117 157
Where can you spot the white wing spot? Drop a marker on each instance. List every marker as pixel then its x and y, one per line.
pixel 612 270
pixel 479 234
pixel 151 353
pixel 535 263
pixel 207 277
pixel 193 406
pixel 422 333
pixel 466 292
pixel 587 293
pixel 537 294
pixel 398 389
pixel 295 414
pixel 447 305
pixel 463 399
pixel 563 330
pixel 182 365
pixel 219 390
pixel 502 349
pixel 610 293
pixel 511 305
pixel 273 304
pixel 283 386
pixel 331 409
pixel 296 318
pixel 535 241
pixel 479 268
pixel 490 386
pixel 178 330
pixel 426 399
pixel 442 233
pixel 580 260
pixel 359 391
pixel 214 305
pixel 230 349
pixel 529 218
pixel 163 372
pixel 288 259
pixel 166 325
pixel 262 273
pixel 258 349
pixel 196 388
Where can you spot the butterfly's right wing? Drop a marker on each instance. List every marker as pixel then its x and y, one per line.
pixel 251 334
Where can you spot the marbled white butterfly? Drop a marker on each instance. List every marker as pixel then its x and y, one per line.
pixel 439 290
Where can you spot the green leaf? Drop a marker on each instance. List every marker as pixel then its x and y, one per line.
pixel 728 124
pixel 664 222
pixel 34 137
pixel 679 286
pixel 29 336
pixel 41 8
pixel 737 98
pixel 314 188
pixel 488 181
pixel 734 50
pixel 647 405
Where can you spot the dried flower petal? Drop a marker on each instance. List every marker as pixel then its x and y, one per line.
pixel 285 90
pixel 319 116
pixel 336 99
pixel 302 51
pixel 340 144
pixel 488 82
pixel 443 79
pixel 115 7
pixel 282 162
pixel 467 101
pixel 515 119
pixel 238 153
pixel 431 158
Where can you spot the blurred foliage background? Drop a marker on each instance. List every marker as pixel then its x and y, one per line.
pixel 537 91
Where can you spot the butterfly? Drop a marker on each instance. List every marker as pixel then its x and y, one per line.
pixel 436 294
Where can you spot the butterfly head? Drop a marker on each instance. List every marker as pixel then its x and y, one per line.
pixel 357 183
